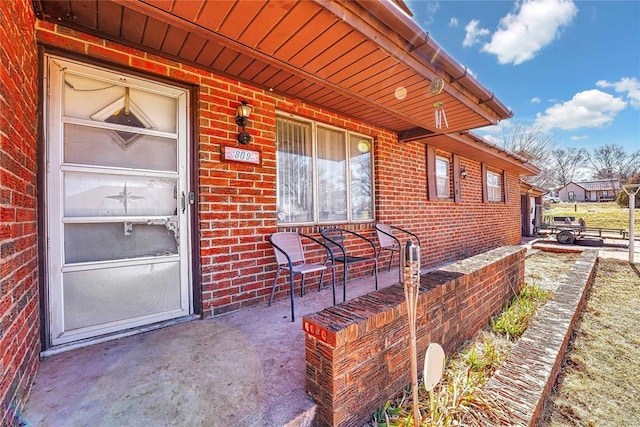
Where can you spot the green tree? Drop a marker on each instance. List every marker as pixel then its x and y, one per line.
pixel 623 199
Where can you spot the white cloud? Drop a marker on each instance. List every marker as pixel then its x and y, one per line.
pixel 592 108
pixel 533 25
pixel 453 22
pixel 427 9
pixel 535 100
pixel 495 133
pixel 629 85
pixel 474 34
pixel 579 137
pixel 492 139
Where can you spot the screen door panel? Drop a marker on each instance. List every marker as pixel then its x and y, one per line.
pixel 119 294
pixel 92 194
pixel 117 182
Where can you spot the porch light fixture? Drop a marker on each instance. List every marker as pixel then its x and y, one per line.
pixel 463 172
pixel 242 116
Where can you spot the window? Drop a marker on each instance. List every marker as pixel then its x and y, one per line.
pixel 442 177
pixel 324 173
pixel 572 195
pixel 494 190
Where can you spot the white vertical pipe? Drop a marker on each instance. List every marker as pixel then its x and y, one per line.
pixel 632 208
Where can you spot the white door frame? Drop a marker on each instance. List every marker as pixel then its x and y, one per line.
pixel 55 68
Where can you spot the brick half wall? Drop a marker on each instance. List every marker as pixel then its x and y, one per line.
pixel 357 353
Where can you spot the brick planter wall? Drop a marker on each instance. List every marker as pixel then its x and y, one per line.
pixel 357 353
pixel 19 316
pixel 524 381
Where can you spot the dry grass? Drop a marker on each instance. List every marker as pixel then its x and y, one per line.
pixel 603 215
pixel 458 398
pixel 600 382
pixel 544 269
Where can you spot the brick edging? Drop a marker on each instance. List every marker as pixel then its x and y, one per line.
pixel 523 383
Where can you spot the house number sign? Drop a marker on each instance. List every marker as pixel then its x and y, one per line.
pixel 235 154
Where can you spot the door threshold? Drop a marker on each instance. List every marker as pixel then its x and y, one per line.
pixel 116 335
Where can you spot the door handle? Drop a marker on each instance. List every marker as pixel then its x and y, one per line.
pixel 183 204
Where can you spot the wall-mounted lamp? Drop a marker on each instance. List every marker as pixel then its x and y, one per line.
pixel 242 116
pixel 463 172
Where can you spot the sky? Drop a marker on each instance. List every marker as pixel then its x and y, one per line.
pixel 570 68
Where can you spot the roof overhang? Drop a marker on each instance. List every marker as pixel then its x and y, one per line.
pixel 476 148
pixel 356 58
pixel 531 190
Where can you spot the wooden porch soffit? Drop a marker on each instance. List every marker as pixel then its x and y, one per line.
pixel 363 59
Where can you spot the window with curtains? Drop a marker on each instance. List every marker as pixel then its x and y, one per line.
pixel 324 173
pixel 442 177
pixel 494 189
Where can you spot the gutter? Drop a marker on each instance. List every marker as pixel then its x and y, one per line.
pixel 423 47
pixel 473 139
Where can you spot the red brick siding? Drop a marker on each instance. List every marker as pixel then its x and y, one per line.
pixel 237 203
pixel 19 303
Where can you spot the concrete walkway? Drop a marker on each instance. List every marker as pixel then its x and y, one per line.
pixel 242 369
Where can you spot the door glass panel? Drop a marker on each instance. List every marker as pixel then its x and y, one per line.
pixel 99 147
pixel 94 99
pixel 118 195
pixel 119 240
pixel 112 294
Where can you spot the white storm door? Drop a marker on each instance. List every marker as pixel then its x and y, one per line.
pixel 117 216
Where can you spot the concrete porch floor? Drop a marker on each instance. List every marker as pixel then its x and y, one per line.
pixel 242 369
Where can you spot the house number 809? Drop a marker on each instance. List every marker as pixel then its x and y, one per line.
pixel 242 155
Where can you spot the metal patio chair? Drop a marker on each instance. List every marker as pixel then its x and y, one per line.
pixel 389 242
pixel 335 239
pixel 290 256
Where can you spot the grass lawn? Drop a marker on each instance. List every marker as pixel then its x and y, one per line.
pixel 600 381
pixel 603 215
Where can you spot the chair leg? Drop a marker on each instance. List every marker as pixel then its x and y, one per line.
pixel 375 271
pixel 273 288
pixel 344 283
pixel 302 285
pixel 333 283
pixel 390 261
pixel 293 318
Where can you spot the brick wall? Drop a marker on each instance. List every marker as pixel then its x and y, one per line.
pixel 19 316
pixel 524 382
pixel 237 203
pixel 357 353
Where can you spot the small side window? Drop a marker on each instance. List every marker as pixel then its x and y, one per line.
pixel 494 188
pixel 443 178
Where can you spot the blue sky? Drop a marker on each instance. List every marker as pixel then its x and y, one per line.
pixel 571 68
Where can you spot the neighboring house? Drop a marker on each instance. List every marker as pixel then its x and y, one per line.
pixel 604 190
pixel 128 200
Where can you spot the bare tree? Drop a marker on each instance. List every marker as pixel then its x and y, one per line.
pixel 565 162
pixel 534 145
pixel 614 163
